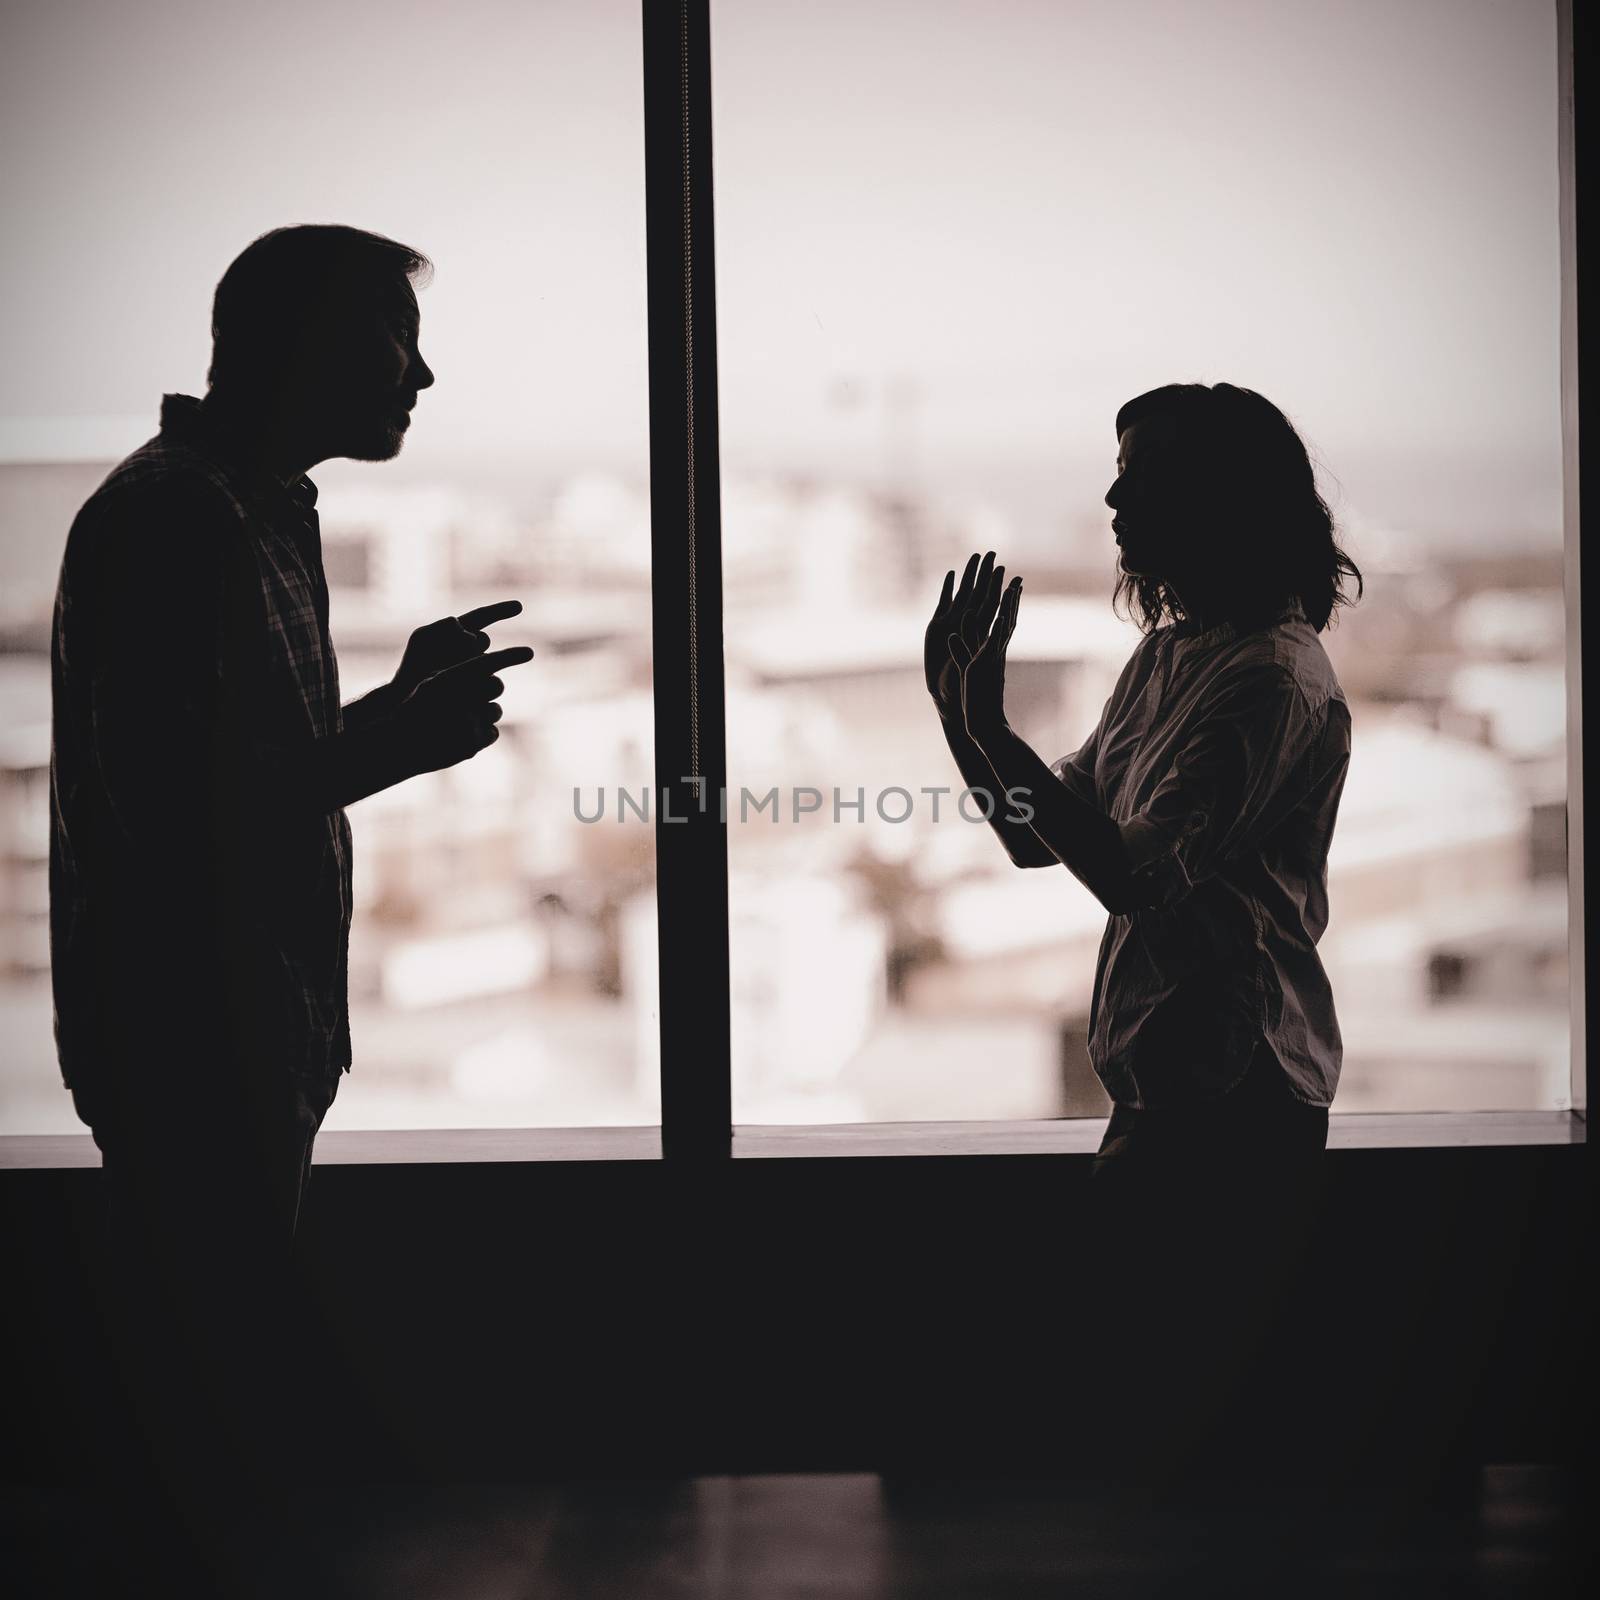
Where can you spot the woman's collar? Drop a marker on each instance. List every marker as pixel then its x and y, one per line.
pixel 1227 632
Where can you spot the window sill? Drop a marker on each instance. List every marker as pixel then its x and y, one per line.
pixel 391 1147
pixel 1081 1135
pixel 1077 1136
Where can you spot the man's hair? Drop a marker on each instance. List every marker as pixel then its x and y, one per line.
pixel 1263 526
pixel 281 287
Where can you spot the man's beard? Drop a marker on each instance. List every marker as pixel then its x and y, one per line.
pixel 381 441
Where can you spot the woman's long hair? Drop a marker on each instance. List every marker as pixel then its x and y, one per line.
pixel 1244 477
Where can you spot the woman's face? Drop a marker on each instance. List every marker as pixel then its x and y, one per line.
pixel 1147 499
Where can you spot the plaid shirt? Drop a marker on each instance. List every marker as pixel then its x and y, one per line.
pixel 200 892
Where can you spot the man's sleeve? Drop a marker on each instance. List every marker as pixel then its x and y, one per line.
pixel 371 708
pixel 1229 784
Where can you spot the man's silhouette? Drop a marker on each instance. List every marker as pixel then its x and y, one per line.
pixel 200 865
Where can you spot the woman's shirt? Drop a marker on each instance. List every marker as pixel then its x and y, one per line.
pixel 1221 757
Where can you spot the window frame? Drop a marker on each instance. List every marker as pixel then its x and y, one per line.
pixel 1577 343
pixel 696 1113
pixel 691 837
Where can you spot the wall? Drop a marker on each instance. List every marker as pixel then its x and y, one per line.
pixel 522 1320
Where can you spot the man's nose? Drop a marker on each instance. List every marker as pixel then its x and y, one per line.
pixel 1112 497
pixel 421 374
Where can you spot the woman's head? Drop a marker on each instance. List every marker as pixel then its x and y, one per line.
pixel 1217 510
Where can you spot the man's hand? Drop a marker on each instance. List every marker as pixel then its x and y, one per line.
pixel 983 669
pixel 447 643
pixel 451 715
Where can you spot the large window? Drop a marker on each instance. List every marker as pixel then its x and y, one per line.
pixel 953 238
pixel 491 978
pixel 950 239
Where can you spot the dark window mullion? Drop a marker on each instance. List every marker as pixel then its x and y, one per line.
pixel 686 561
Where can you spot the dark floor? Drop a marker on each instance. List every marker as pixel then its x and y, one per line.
pixel 1502 1531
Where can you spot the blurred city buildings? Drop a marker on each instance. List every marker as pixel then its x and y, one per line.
pixel 504 954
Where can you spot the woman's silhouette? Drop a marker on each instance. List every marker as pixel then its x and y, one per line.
pixel 1199 812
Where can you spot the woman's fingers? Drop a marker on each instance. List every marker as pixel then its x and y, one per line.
pixel 972 622
pixel 978 601
pixel 990 605
pixel 980 581
pixel 968 580
pixel 1009 610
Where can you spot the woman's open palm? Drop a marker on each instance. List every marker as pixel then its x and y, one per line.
pixel 960 612
pixel 983 670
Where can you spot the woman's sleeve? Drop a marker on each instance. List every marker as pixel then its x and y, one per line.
pixel 1077 770
pixel 1231 782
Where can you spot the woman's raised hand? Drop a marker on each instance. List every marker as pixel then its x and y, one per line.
pixel 983 666
pixel 966 613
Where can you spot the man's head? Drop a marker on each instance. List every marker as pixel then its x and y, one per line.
pixel 317 327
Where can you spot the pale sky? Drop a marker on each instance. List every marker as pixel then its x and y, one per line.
pixel 1020 212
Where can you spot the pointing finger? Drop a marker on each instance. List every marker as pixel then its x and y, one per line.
pixel 482 616
pixel 514 656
